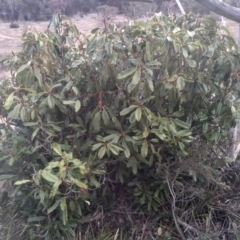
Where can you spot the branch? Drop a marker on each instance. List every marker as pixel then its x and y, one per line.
pixel 222 9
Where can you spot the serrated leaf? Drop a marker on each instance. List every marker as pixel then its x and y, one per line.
pixel 77 106
pixel 9 101
pixel 126 73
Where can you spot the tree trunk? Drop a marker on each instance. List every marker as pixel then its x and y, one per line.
pixel 222 9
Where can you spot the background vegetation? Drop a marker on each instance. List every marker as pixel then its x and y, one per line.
pixel 12 10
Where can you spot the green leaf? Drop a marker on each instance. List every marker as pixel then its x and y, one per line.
pixel 144 149
pixel 178 114
pixel 55 188
pixel 138 114
pixel 72 206
pixel 22 182
pixel 65 216
pixel 128 110
pixel 29 90
pixel 6 176
pixel 101 152
pixel 148 51
pixel 126 73
pixel 96 121
pixel 181 123
pixel 180 83
pixel 30 124
pixel 38 76
pixel 23 67
pixel 56 148
pixel 63 204
pixel 126 149
pixel 35 133
pixel 185 52
pixel 23 113
pixel 15 112
pixel 191 63
pixel 77 106
pixel 36 219
pixel 9 101
pixel 49 176
pixel 69 102
pixel 114 119
pixel 105 117
pixel 75 90
pixel 136 77
pixel 80 184
pixel 97 146
pixel 51 102
pixel 183 133
pixel 53 207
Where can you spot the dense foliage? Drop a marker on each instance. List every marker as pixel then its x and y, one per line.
pixel 13 10
pixel 130 118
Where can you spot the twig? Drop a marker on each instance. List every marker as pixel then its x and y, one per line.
pixel 173 206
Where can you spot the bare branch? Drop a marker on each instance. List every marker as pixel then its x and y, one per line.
pixel 222 9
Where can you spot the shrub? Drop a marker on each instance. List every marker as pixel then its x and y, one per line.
pixel 123 117
pixel 140 9
pixel 14 25
pixel 107 11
